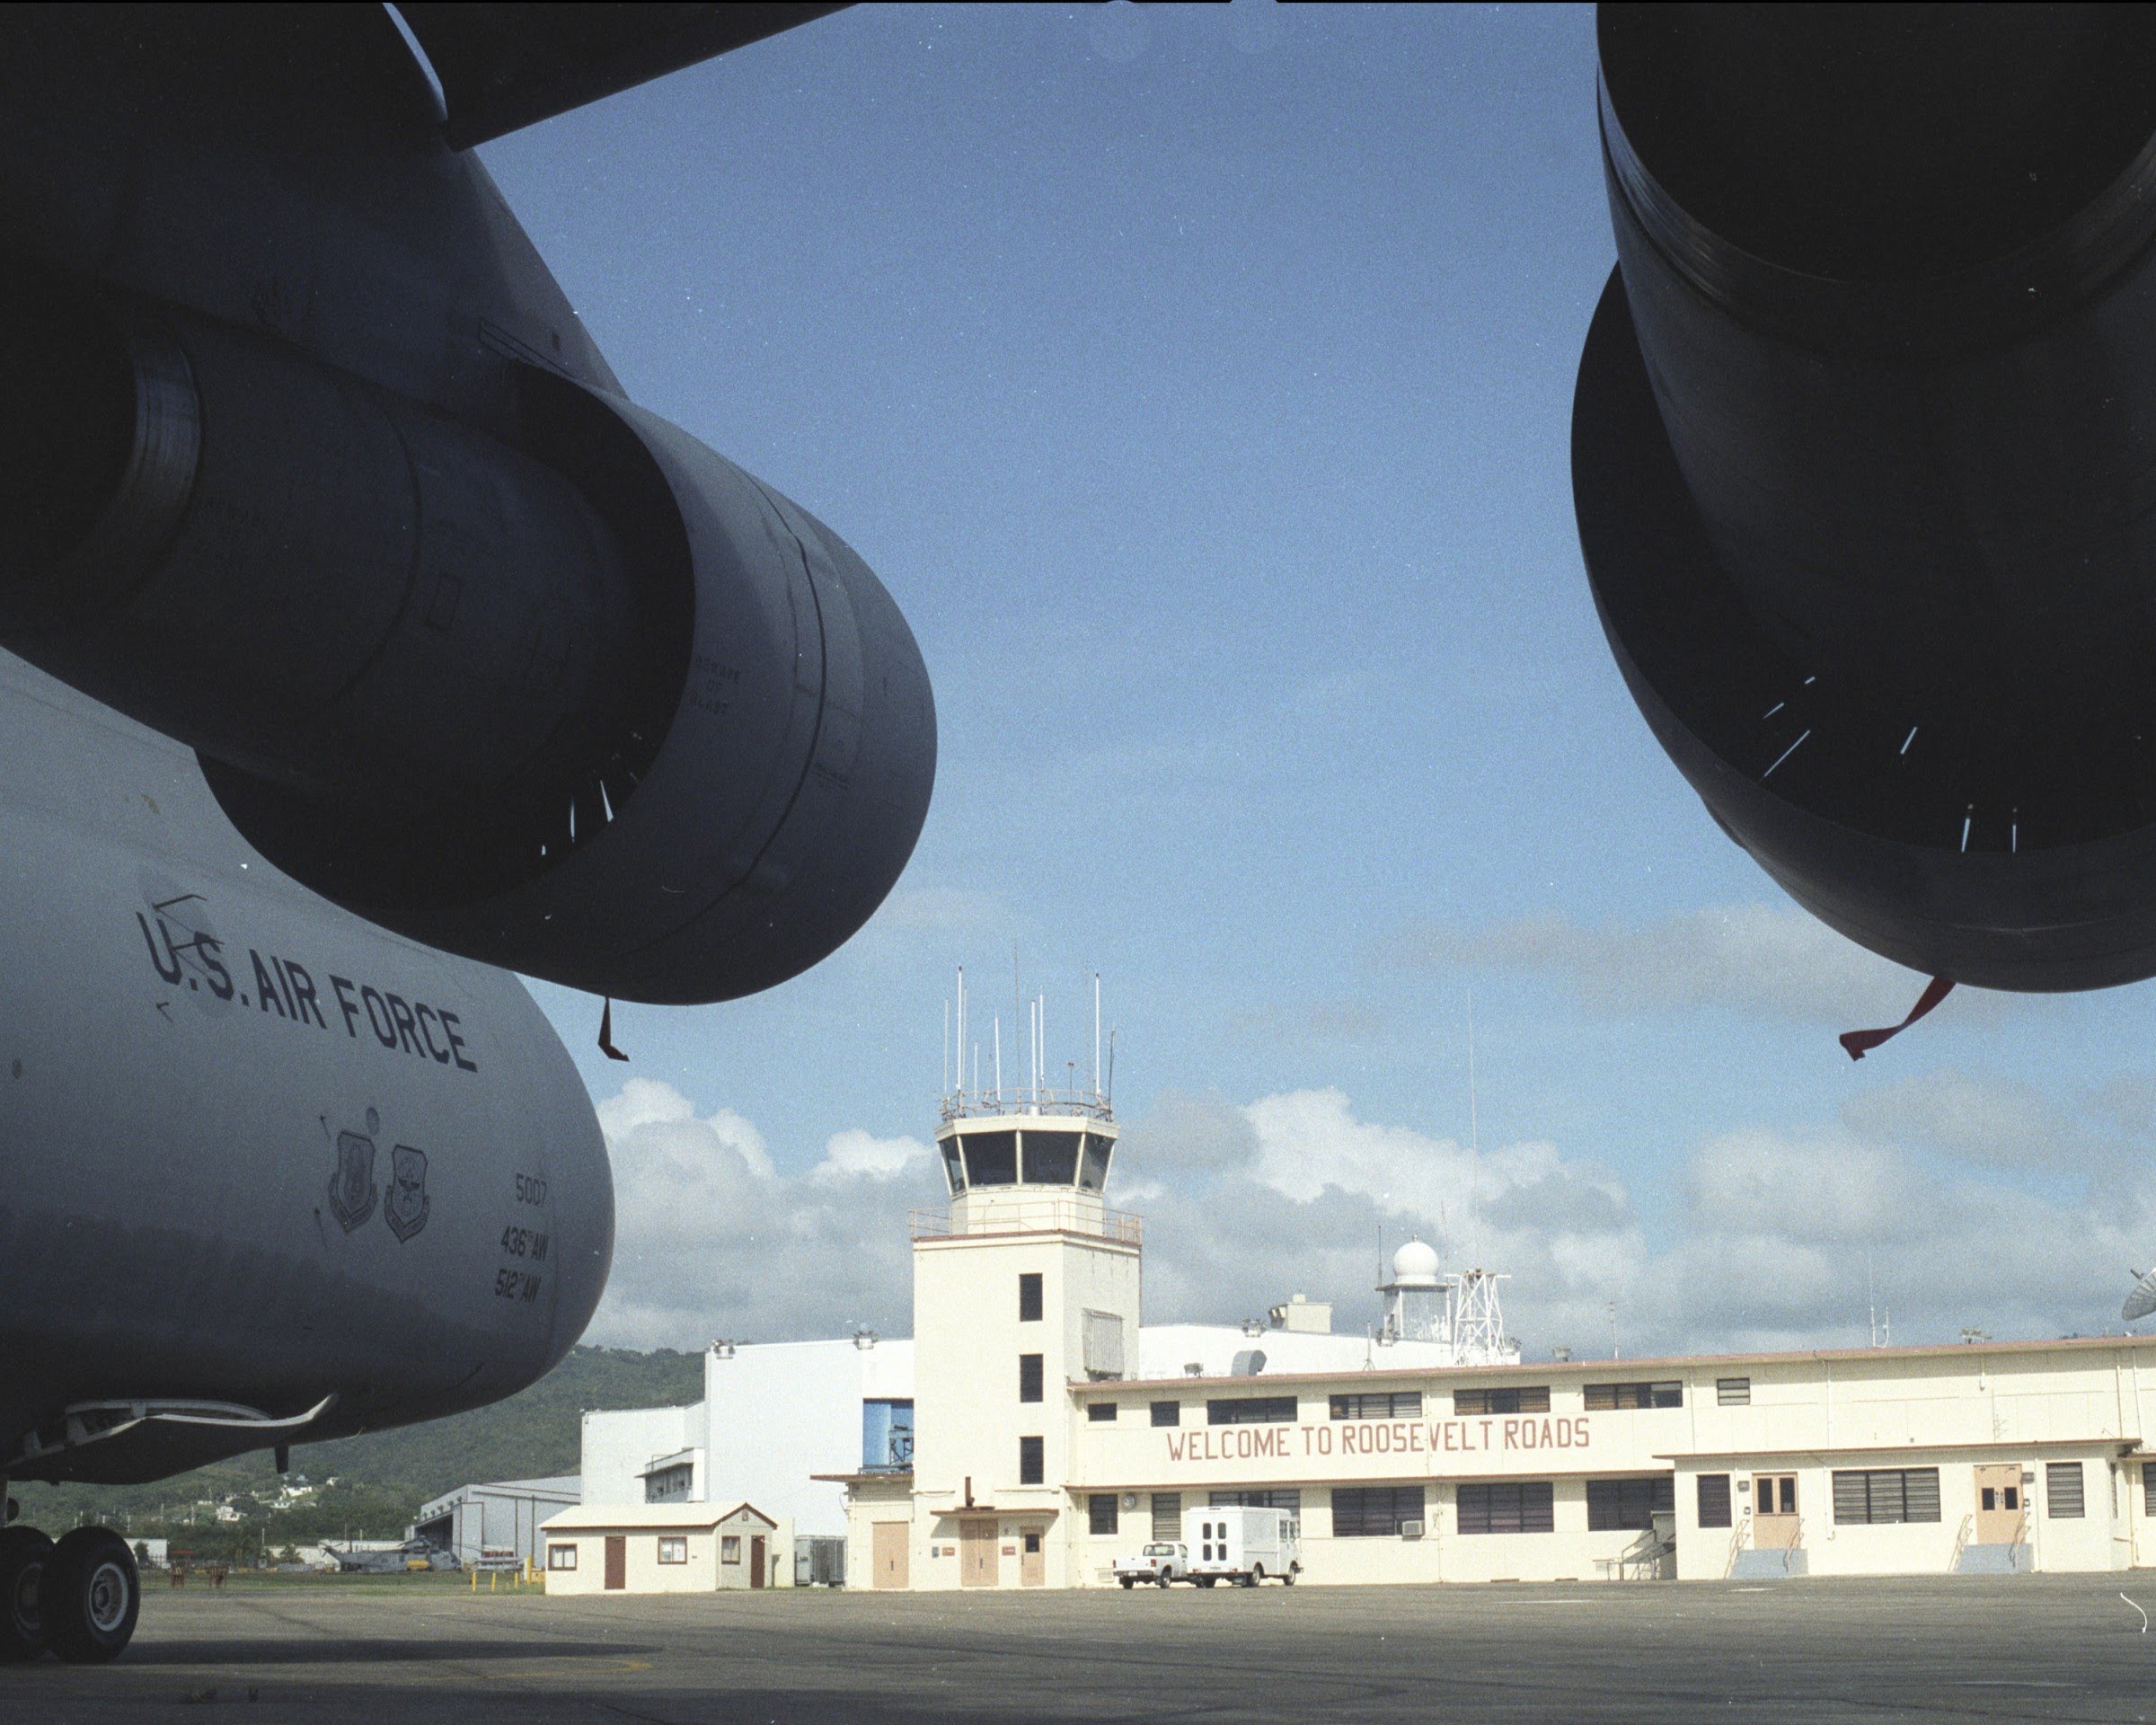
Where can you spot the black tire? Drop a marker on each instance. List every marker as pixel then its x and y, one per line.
pixel 1288 1580
pixel 1127 1582
pixel 24 1633
pixel 1257 1576
pixel 1204 1580
pixel 1163 1579
pixel 90 1596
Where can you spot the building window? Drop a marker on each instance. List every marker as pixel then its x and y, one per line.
pixel 1733 1392
pixel 2148 1488
pixel 1290 1501
pixel 1250 1411
pixel 954 1169
pixel 1379 1404
pixel 1885 1494
pixel 561 1557
pixel 991 1158
pixel 1032 1470
pixel 1029 1297
pixel 2062 1500
pixel 1167 1516
pixel 1100 1512
pixel 730 1548
pixel 1373 1511
pixel 1614 1504
pixel 1051 1158
pixel 670 1485
pixel 1508 1507
pixel 1170 1413
pixel 1529 1398
pixel 1093 1173
pixel 1101 1413
pixel 1028 1377
pixel 1714 1500
pixel 1603 1397
pixel 673 1549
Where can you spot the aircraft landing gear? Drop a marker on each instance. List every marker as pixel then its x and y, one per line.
pixel 23 1552
pixel 79 1597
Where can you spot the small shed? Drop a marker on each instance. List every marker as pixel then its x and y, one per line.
pixel 667 1548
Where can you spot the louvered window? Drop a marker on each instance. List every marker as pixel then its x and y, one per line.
pixel 1507 1507
pixel 1733 1392
pixel 1714 1500
pixel 1885 1494
pixel 1167 1516
pixel 2062 1500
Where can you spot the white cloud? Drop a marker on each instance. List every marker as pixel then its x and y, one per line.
pixel 1772 959
pixel 709 1240
pixel 1775 1239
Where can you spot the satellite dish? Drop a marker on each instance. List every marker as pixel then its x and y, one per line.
pixel 2142 1301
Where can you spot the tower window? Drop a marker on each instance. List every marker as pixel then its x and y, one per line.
pixel 991 1158
pixel 1051 1158
pixel 1029 1297
pixel 1028 1377
pixel 1093 1172
pixel 1032 1469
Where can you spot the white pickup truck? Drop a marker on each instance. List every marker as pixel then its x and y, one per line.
pixel 1160 1562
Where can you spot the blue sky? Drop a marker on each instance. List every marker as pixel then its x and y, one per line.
pixel 1198 380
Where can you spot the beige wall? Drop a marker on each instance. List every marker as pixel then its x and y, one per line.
pixel 967 1418
pixel 704 1572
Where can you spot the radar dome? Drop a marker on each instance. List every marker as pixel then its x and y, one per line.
pixel 1415 1265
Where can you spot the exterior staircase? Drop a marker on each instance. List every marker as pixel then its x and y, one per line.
pixel 2016 1558
pixel 1769 1564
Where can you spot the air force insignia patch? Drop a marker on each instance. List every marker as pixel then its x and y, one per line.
pixel 352 1190
pixel 406 1209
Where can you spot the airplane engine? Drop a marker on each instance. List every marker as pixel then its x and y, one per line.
pixel 1864 459
pixel 566 693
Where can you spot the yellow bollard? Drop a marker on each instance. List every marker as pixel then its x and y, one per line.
pixel 475 1581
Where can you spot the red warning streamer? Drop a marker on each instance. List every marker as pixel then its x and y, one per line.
pixel 1861 1042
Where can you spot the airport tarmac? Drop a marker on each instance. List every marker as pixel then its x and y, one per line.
pixel 2054 1647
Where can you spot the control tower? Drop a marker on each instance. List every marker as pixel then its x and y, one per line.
pixel 1023 1284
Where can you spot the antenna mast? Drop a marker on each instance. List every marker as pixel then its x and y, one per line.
pixel 1474 1144
pixel 1096 1036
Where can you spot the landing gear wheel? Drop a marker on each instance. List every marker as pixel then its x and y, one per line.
pixel 90 1595
pixel 24 1628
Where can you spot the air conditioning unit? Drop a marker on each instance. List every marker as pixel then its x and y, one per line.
pixel 1411 1530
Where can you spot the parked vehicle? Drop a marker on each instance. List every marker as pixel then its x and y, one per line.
pixel 1161 1562
pixel 1236 1542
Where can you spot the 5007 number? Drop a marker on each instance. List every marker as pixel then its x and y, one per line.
pixel 530 1189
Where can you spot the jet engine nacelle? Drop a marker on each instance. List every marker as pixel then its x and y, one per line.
pixel 567 692
pixel 1864 454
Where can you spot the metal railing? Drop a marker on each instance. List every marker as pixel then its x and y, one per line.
pixel 1737 1543
pixel 1961 1545
pixel 1043 1215
pixel 1025 1098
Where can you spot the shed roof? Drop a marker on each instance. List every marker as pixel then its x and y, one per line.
pixel 640 1515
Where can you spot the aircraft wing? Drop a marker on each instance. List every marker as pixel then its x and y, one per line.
pixel 503 66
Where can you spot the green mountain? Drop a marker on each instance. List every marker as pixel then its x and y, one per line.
pixel 382 1477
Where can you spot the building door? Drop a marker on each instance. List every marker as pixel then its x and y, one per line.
pixel 755 1560
pixel 977 1554
pixel 889 1555
pixel 1032 1562
pixel 617 1561
pixel 1999 1507
pixel 1775 1524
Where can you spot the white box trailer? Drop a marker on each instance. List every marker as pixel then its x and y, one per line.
pixel 1232 1542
